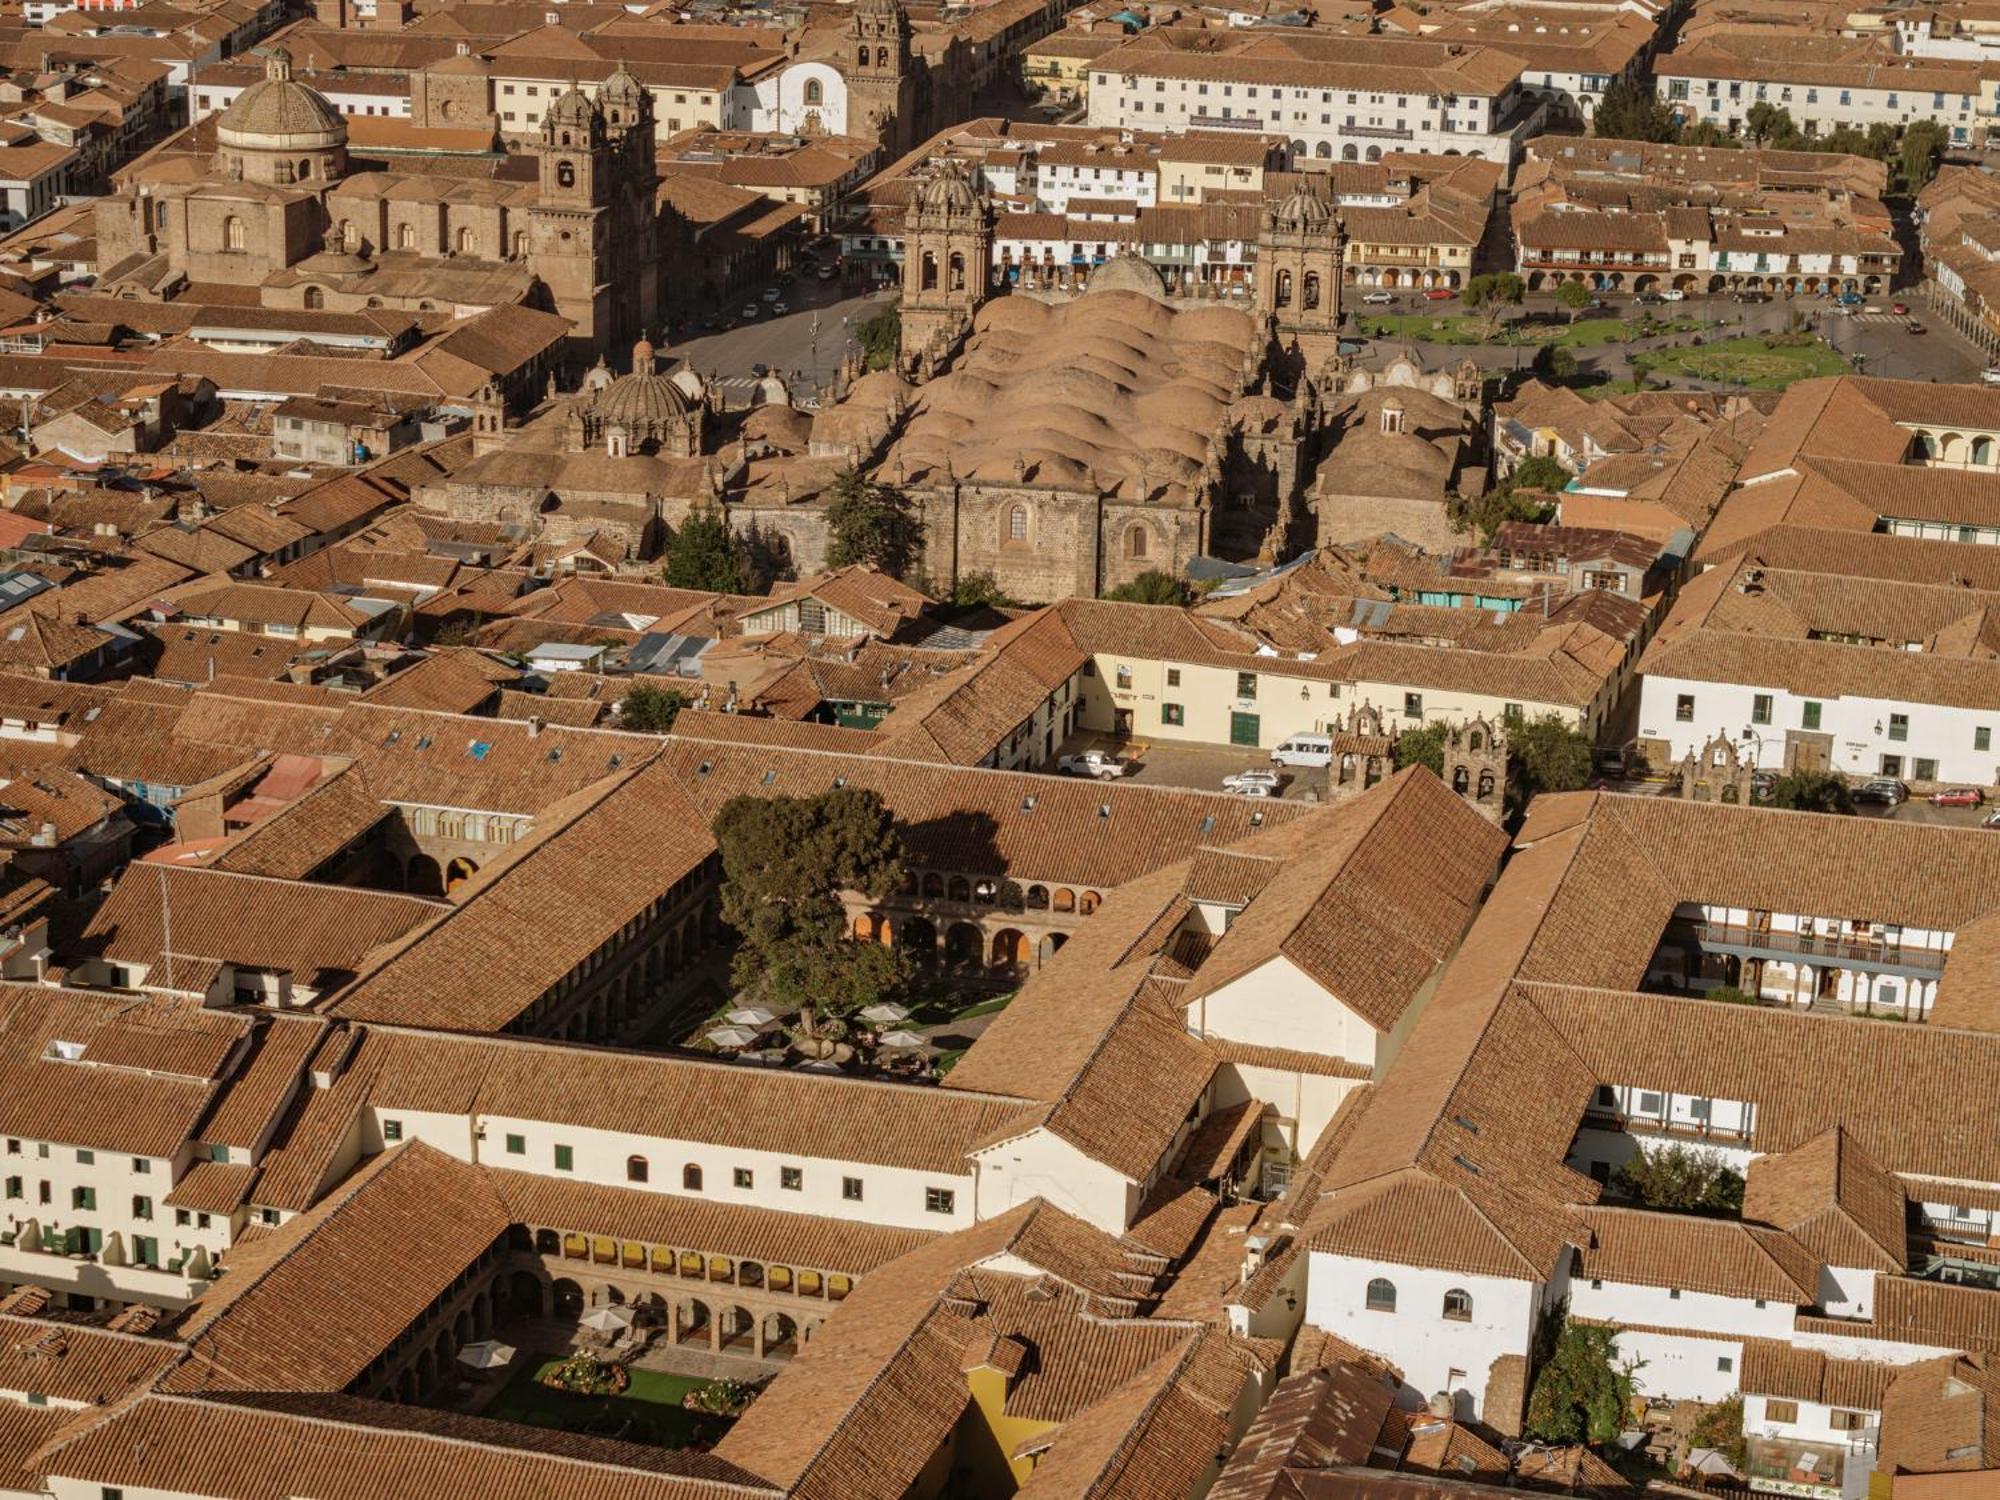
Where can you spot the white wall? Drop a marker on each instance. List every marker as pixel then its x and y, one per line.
pixel 1659 1306
pixel 1278 1005
pixel 1860 728
pixel 1682 1369
pixel 1042 1165
pixel 1433 1353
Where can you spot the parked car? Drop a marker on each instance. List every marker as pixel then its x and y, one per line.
pixel 1915 327
pixel 1753 296
pixel 1647 299
pixel 1850 299
pixel 1900 309
pixel 1673 295
pixel 1252 783
pixel 1959 796
pixel 1990 375
pixel 1991 820
pixel 749 310
pixel 779 309
pixel 1439 294
pixel 1097 763
pixel 827 273
pixel 1379 299
pixel 1304 750
pixel 1762 783
pixel 1885 790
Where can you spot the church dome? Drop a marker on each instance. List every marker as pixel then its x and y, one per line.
pixel 281 114
pixel 1127 273
pixel 1304 209
pixel 947 191
pixel 643 400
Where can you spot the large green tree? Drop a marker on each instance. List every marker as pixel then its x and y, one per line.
pixel 1582 1389
pixel 1633 112
pixel 882 337
pixel 871 523
pixel 649 709
pixel 1546 754
pixel 1422 747
pixel 706 554
pixel 1923 142
pixel 785 861
pixel 1573 297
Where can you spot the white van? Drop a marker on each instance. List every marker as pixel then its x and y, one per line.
pixel 1304 750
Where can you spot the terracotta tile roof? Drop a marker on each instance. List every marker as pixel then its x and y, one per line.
pixel 1773 1367
pixel 1451 1450
pixel 329 817
pixel 1370 897
pixel 1719 1256
pixel 1321 1418
pixel 742 1233
pixel 320 934
pixel 1939 1416
pixel 459 681
pixel 924 1129
pixel 213 1187
pixel 75 1362
pixel 272 1446
pixel 1832 1198
pixel 758 729
pixel 263 1084
pixel 242 1331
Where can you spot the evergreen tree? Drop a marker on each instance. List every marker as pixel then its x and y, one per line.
pixel 649 709
pixel 871 523
pixel 705 554
pixel 1151 587
pixel 1631 111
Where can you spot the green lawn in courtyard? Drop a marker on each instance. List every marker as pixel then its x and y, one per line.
pixel 1745 361
pixel 1471 328
pixel 649 1411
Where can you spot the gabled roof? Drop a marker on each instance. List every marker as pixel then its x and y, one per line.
pixel 1835 1201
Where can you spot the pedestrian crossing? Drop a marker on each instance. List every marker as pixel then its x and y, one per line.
pixel 1884 316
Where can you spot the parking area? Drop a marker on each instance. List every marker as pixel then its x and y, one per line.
pixel 1920 810
pixel 1201 767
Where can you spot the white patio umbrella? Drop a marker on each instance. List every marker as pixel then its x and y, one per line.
pixel 901 1038
pixel 610 1318
pixel 487 1354
pixel 732 1036
pixel 749 1015
pixel 886 1012
pixel 822 1065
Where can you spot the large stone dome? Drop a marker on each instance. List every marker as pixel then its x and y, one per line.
pixel 947 191
pixel 1127 273
pixel 643 412
pixel 281 114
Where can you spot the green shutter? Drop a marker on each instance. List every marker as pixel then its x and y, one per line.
pixel 1245 729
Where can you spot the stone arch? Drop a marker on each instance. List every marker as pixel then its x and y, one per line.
pixel 918 935
pixel 927 278
pixel 1982 452
pixel 735 1329
pixel 547 1242
pixel 934 885
pixel 957 266
pixel 1038 898
pixel 1065 899
pixel 864 928
pixel 1324 150
pixel 1049 946
pixel 568 1298
pixel 458 872
pixel 1350 152
pixel 1135 542
pixel 962 943
pixel 781 1335
pixel 1010 948
pixel 314 299
pixel 958 888
pixel 694 1321
pixel 1374 153
pixel 1086 903
pixel 424 877
pixel 1283 289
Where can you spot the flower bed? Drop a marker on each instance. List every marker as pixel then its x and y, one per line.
pixel 584 1374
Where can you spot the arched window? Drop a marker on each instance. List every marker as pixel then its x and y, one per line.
pixel 1312 289
pixel 232 233
pixel 1381 1295
pixel 691 1178
pixel 315 298
pixel 463 241
pixel 881 57
pixel 565 174
pixel 635 1169
pixel 1350 153
pixel 957 271
pixel 1982 451
pixel 1017 524
pixel 861 56
pixel 928 278
pixel 305 168
pixel 1284 297
pixel 1458 1305
pixel 1135 541
pixel 160 214
pixel 406 236
pixel 815 92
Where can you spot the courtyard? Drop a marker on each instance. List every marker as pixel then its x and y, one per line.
pixel 1758 363
pixel 649 1410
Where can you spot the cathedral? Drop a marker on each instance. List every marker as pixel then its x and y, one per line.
pixel 572 224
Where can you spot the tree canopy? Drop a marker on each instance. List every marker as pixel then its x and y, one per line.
pixel 1546 754
pixel 1812 791
pixel 1422 747
pixel 706 554
pixel 882 337
pixel 649 709
pixel 1582 1389
pixel 785 861
pixel 1573 297
pixel 871 523
pixel 1682 1179
pixel 1151 587
pixel 1631 111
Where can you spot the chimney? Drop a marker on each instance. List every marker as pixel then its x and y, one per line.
pixel 534 726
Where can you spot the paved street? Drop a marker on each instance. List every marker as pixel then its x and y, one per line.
pixel 786 343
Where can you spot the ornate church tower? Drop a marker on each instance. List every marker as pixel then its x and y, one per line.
pixel 947 266
pixel 571 241
pixel 879 94
pixel 1300 247
pixel 635 239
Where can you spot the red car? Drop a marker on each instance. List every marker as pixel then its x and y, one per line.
pixel 1959 796
pixel 1439 294
pixel 1900 309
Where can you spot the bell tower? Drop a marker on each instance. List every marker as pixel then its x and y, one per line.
pixel 878 73
pixel 947 265
pixel 571 235
pixel 1300 247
